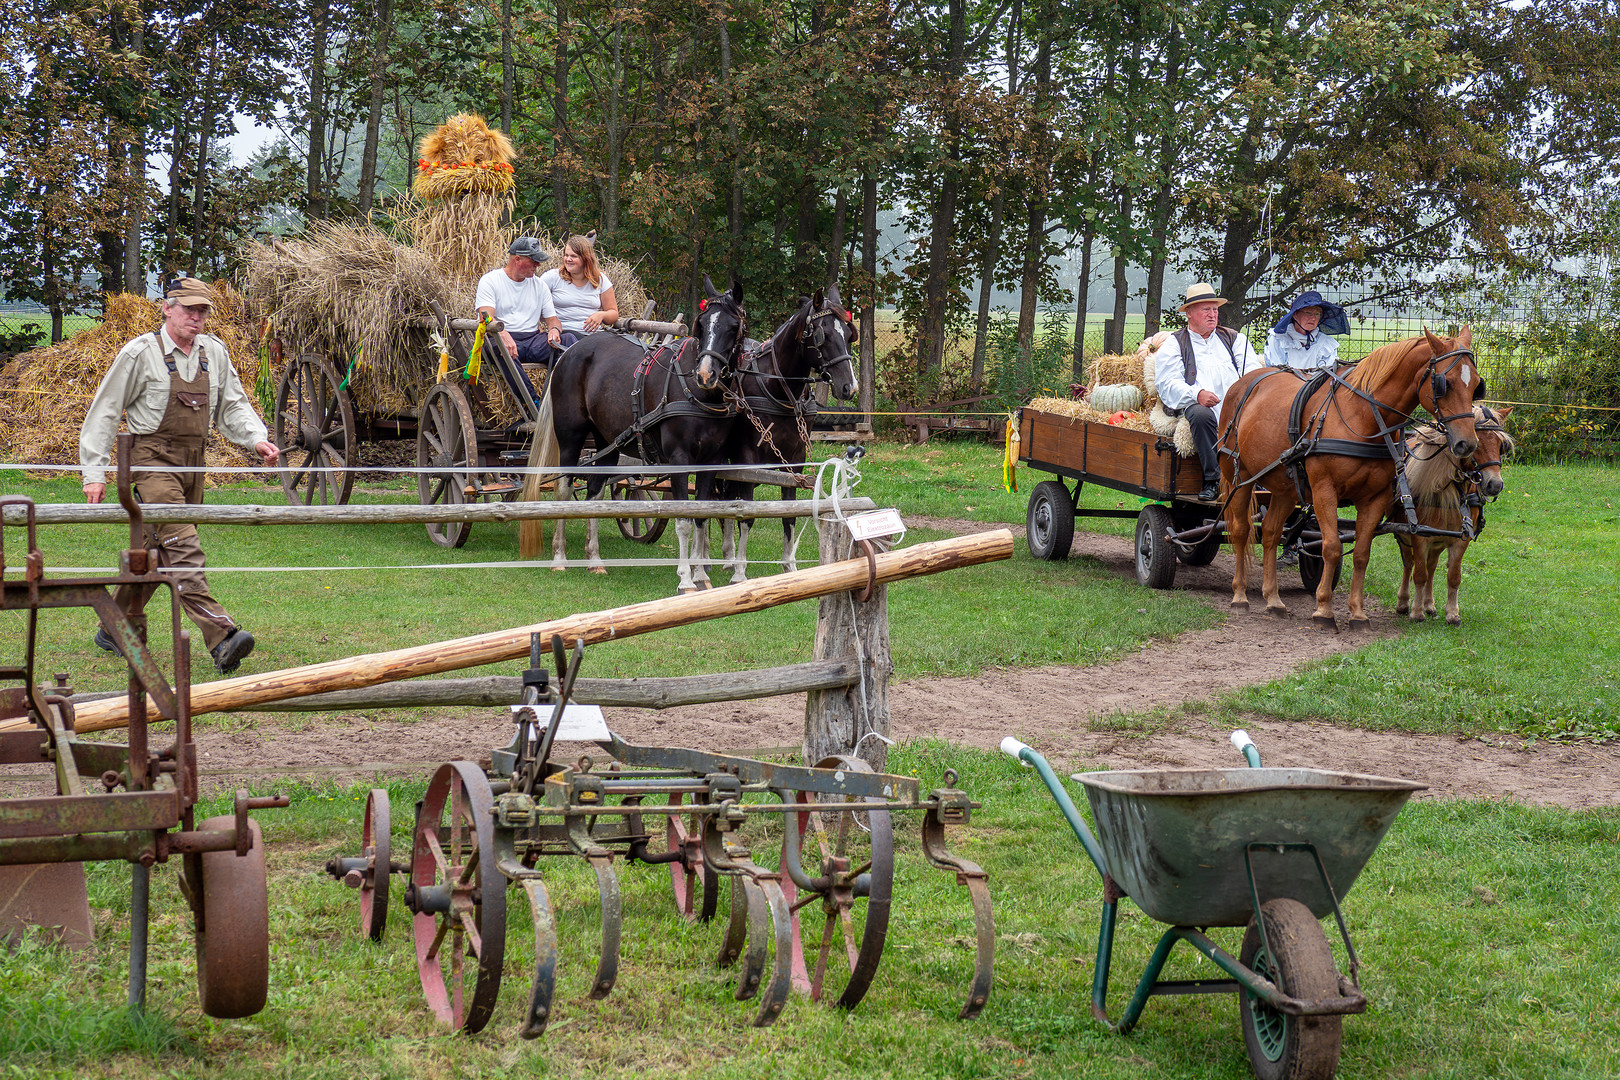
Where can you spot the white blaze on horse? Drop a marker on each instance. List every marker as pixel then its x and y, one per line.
pixel 1444 489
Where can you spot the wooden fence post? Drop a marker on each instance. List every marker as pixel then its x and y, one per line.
pixel 837 721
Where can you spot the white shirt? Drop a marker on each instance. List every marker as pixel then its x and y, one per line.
pixel 574 303
pixel 1293 349
pixel 1214 368
pixel 519 304
pixel 137 387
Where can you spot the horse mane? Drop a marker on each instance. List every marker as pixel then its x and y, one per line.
pixel 1431 468
pixel 1373 369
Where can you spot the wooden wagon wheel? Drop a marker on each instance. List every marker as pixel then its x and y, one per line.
pixel 315 429
pixel 851 854
pixel 447 440
pixel 233 926
pixel 459 898
pixel 642 530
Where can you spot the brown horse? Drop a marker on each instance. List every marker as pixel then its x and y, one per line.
pixel 1444 488
pixel 1342 437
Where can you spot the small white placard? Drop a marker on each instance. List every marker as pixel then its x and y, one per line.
pixel 874 524
pixel 580 723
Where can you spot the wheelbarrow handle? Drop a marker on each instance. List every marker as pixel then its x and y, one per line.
pixel 1246 747
pixel 1031 757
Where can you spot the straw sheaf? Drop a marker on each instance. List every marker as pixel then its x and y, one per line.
pixel 1079 410
pixel 44 393
pixel 464 156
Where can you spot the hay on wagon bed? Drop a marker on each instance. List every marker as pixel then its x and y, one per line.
pixel 1079 410
pixel 44 392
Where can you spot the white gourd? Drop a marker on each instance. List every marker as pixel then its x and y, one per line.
pixel 1116 396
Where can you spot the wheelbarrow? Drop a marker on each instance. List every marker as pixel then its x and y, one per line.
pixel 1272 850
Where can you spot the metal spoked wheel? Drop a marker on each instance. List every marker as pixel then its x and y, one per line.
pixel 447 440
pixel 1155 555
pixel 1203 553
pixel 233 927
pixel 315 429
pixel 376 846
pixel 645 530
pixel 1050 521
pixel 850 856
pixel 695 884
pixel 459 898
pixel 1300 962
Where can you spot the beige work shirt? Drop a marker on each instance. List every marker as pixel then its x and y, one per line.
pixel 137 387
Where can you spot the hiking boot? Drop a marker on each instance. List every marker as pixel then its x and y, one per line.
pixel 1210 492
pixel 105 640
pixel 229 654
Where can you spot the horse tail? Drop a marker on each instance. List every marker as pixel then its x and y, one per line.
pixel 543 452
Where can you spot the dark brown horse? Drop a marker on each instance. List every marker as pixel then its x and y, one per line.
pixel 775 385
pixel 1338 433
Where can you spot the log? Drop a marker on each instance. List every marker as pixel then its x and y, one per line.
pixel 402 513
pixel 838 720
pixel 591 627
pixel 498 690
pixel 650 326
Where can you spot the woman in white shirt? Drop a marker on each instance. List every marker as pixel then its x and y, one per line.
pixel 581 295
pixel 1300 339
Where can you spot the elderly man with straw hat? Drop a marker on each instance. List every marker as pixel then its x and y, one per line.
pixel 1195 368
pixel 172 385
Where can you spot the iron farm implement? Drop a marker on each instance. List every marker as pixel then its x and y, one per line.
pixel 127 802
pixel 480 828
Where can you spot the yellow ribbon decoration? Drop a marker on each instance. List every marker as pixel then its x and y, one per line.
pixel 1009 457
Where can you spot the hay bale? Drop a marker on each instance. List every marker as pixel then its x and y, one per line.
pixel 1079 410
pixel 1111 369
pixel 46 390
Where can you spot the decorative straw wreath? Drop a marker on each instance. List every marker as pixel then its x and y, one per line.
pixel 464 156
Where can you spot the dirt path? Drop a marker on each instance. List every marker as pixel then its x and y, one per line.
pixel 1051 708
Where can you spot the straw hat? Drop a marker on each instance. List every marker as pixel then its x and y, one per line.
pixel 1201 293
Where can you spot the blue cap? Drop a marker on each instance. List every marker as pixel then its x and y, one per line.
pixel 1333 320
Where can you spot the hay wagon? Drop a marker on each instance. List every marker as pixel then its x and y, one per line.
pixel 476 423
pixel 1174 526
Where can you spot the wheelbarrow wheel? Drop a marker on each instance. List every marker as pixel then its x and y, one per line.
pixel 1283 1047
pixel 233 927
pixel 458 896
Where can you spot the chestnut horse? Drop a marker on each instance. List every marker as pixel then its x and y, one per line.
pixel 1329 440
pixel 1445 488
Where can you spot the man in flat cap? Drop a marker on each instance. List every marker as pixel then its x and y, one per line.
pixel 1195 368
pixel 172 385
pixel 514 295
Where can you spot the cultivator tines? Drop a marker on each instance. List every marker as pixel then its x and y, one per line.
pixel 817 921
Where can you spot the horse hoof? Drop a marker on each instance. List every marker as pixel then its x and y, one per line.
pixel 1279 613
pixel 558 569
pixel 1361 624
pixel 1402 609
pixel 1240 605
pixel 598 569
pixel 1325 623
pixel 1453 622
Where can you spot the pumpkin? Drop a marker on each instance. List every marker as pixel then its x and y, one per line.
pixel 1116 397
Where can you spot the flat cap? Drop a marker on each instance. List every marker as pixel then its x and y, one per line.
pixel 189 291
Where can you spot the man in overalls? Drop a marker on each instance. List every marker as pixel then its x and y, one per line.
pixel 173 384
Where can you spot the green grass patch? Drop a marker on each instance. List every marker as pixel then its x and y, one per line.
pixel 1487 936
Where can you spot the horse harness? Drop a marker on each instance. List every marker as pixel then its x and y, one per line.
pixel 1305 438
pixel 667 358
pixel 770 402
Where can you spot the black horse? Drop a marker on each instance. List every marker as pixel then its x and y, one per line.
pixel 667 406
pixel 775 387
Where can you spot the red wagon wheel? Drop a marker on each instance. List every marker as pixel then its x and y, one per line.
pixel 693 880
pixel 850 854
pixel 459 897
pixel 315 428
pixel 233 926
pixel 376 846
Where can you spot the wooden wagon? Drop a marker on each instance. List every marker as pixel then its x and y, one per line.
pixel 474 434
pixel 1173 526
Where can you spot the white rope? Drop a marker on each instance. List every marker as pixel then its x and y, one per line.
pixel 414 470
pixel 531 564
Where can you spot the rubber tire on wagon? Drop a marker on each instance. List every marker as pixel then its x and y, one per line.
pixel 1155 555
pixel 1310 571
pixel 1283 1047
pixel 1050 521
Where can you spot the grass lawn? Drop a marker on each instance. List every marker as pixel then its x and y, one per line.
pixel 1487 932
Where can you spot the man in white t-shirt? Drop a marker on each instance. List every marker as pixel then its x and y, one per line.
pixel 1195 368
pixel 514 295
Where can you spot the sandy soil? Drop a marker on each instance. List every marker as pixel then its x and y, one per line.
pixel 1051 708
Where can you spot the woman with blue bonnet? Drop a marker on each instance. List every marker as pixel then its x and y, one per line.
pixel 1301 338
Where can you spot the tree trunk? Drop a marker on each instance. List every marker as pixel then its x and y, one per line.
pixel 1237 274
pixel 506 66
pixel 134 277
pixel 835 243
pixel 734 198
pixel 1116 337
pixel 559 122
pixel 869 241
pixel 615 135
pixel 1082 303
pixel 1035 238
pixel 315 171
pixel 379 66
pixel 199 185
pixel 987 275
pixel 171 227
pixel 1169 146
pixel 931 331
pixel 839 720
pixel 806 233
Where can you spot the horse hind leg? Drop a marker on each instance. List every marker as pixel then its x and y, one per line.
pixel 1403 596
pixel 1270 537
pixel 700 554
pixel 1454 565
pixel 737 558
pixel 593 546
pixel 683 563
